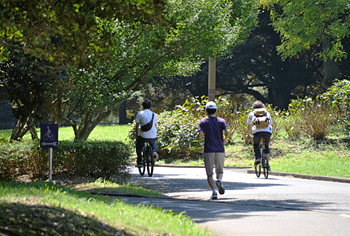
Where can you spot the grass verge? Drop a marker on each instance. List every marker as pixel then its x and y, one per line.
pixel 41 208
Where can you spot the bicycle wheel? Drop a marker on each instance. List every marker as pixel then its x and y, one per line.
pixel 150 162
pixel 258 170
pixel 265 165
pixel 142 167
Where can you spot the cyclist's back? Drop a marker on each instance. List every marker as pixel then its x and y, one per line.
pixel 143 117
pixel 260 128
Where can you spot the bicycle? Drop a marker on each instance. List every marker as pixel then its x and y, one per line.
pixel 264 164
pixel 147 160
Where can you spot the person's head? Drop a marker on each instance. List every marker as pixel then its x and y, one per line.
pixel 146 104
pixel 210 107
pixel 258 104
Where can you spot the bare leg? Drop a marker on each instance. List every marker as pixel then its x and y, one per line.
pixel 219 176
pixel 211 182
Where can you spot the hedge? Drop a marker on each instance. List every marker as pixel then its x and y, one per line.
pixel 90 158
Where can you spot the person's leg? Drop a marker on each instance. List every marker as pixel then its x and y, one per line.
pixel 153 144
pixel 219 164
pixel 256 145
pixel 267 137
pixel 139 144
pixel 209 166
pixel 219 170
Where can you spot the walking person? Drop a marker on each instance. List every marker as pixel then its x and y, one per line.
pixel 260 127
pixel 142 119
pixel 212 128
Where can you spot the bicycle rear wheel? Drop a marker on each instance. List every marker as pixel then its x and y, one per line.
pixel 150 162
pixel 142 167
pixel 265 165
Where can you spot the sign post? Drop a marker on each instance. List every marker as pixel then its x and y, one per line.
pixel 49 140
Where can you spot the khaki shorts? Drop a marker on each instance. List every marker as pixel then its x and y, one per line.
pixel 214 159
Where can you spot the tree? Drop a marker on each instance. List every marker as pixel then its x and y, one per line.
pixel 254 67
pixel 68 32
pixel 304 24
pixel 26 81
pixel 196 30
pixel 174 42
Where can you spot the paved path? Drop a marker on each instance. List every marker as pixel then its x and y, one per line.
pixel 252 206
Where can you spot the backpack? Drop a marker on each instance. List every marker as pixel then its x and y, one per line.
pixel 148 126
pixel 260 120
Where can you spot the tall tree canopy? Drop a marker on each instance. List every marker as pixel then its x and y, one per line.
pixel 307 23
pixel 69 31
pixel 137 48
pixel 195 30
pixel 254 67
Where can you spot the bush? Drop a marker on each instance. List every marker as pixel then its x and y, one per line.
pixel 21 158
pixel 339 96
pixel 311 117
pixel 89 158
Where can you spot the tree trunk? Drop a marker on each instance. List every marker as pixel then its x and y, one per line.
pixel 123 119
pixel 88 123
pixel 331 67
pixel 23 125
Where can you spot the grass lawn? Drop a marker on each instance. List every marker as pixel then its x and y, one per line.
pixel 40 208
pixel 303 157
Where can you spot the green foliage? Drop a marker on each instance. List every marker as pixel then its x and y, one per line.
pixel 339 95
pixel 68 32
pixel 94 158
pixel 65 211
pixel 310 117
pixel 307 23
pixel 91 158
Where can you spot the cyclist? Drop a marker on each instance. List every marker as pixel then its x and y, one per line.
pixel 214 147
pixel 260 130
pixel 143 117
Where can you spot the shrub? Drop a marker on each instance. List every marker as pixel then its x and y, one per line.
pixel 339 96
pixel 89 158
pixel 314 117
pixel 95 158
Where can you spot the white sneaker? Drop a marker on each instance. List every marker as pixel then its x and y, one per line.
pixel 214 196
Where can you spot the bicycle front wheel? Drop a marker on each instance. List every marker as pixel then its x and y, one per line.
pixel 150 163
pixel 265 164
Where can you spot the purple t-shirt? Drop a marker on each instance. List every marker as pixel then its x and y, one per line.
pixel 213 128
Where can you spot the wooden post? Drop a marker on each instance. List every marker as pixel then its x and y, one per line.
pixel 211 79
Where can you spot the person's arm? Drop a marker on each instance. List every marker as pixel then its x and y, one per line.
pixel 250 129
pixel 137 129
pixel 200 134
pixel 227 135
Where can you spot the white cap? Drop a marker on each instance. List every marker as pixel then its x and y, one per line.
pixel 210 105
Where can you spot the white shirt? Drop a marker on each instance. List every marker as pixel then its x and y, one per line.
pixel 255 130
pixel 143 117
